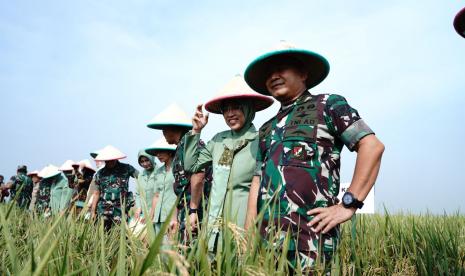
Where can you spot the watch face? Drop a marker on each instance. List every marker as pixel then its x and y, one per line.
pixel 347 199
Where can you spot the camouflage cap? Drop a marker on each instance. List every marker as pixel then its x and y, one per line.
pixel 22 168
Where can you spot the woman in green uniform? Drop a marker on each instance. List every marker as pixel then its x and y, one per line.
pixel 189 187
pixel 231 152
pixel 60 193
pixel 164 198
pixel 145 188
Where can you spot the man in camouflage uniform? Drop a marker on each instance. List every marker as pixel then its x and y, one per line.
pixel 43 196
pixel 112 182
pixel 189 188
pixel 3 193
pixel 22 184
pixel 82 179
pixel 184 183
pixel 298 162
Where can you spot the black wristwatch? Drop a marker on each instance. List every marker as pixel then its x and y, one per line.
pixel 349 201
pixel 193 211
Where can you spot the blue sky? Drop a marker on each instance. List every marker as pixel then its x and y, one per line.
pixel 78 75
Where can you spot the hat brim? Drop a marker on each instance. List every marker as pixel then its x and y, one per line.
pixel 51 175
pixel 259 102
pixel 459 23
pixel 161 126
pixel 110 159
pixel 257 72
pixel 154 151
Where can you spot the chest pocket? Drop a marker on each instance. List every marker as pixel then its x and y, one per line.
pixel 299 146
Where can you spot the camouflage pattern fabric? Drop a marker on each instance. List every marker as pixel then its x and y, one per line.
pixel 299 164
pixel 22 184
pixel 43 195
pixel 113 185
pixel 81 185
pixel 182 187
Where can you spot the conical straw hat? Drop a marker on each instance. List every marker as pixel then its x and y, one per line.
pixel 257 71
pixel 67 166
pixel 237 88
pixel 109 153
pixel 94 153
pixel 85 163
pixel 160 145
pixel 49 171
pixel 173 115
pixel 36 172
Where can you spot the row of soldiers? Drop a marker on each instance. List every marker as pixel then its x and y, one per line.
pixel 289 170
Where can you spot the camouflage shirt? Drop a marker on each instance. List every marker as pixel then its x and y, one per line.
pixel 43 195
pixel 81 184
pixel 22 184
pixel 299 163
pixel 113 185
pixel 181 184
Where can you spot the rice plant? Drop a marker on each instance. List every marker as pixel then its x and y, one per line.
pixel 400 244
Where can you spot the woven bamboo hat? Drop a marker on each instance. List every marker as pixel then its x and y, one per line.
pixel 109 153
pixel 94 153
pixel 49 171
pixel 160 145
pixel 173 115
pixel 67 166
pixel 85 163
pixel 33 173
pixel 258 70
pixel 237 89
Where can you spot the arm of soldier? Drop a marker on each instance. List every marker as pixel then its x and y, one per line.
pixel 197 182
pixel 196 157
pixel 154 205
pixel 252 202
pixel 369 152
pixel 173 226
pixel 7 186
pixel 138 200
pixel 95 198
pixel 133 172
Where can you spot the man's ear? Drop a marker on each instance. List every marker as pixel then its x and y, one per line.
pixel 304 76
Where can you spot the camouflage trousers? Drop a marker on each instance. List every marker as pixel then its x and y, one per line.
pixel 305 263
pixel 308 251
pixel 110 214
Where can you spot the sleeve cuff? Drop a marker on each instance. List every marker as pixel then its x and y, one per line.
pixel 258 169
pixel 354 133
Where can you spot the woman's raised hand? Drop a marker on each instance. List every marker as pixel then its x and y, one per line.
pixel 200 120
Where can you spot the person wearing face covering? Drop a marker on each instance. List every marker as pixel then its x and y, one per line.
pixel 231 153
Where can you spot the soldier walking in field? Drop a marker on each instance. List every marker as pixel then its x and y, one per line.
pixel 20 187
pixel 3 192
pixel 35 190
pixel 112 183
pixel 298 161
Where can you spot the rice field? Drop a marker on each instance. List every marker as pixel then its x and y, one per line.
pixel 400 244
